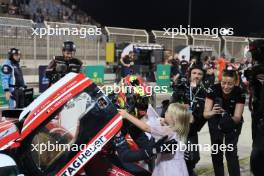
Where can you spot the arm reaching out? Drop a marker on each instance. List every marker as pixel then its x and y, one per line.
pixel 142 125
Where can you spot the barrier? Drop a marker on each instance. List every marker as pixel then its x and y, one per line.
pixel 96 73
pixel 163 76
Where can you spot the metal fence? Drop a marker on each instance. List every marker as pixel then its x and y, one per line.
pixel 207 41
pixel 120 35
pixel 89 47
pixel 235 46
pixel 169 41
pixel 38 50
pixel 16 33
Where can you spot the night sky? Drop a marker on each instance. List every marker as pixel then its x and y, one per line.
pixel 245 16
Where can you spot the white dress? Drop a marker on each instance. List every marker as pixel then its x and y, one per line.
pixel 168 164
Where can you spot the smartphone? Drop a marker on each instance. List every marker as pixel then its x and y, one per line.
pixel 219 101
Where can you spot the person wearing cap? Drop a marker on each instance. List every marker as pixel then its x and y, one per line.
pixel 12 80
pixel 184 64
pixel 61 65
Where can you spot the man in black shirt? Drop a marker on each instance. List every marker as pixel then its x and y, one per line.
pixel 184 64
pixel 192 94
pixel 61 65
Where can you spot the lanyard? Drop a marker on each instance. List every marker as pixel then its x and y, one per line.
pixel 192 98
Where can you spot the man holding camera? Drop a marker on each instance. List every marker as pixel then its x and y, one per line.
pixel 192 93
pixel 61 65
pixel 255 76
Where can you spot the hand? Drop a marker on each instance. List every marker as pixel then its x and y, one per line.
pixel 7 95
pixel 123 113
pixel 217 110
pixel 162 121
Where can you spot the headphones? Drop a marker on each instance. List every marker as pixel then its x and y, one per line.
pixel 68 46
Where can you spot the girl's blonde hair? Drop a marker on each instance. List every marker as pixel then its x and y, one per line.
pixel 181 118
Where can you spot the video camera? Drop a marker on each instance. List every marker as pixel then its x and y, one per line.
pixel 180 90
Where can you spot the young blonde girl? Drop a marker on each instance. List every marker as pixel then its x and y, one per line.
pixel 175 126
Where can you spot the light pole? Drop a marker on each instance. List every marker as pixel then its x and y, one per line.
pixel 190 13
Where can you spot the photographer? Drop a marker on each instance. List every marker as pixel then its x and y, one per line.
pixel 127 64
pixel 61 65
pixel 255 76
pixel 192 94
pixel 224 106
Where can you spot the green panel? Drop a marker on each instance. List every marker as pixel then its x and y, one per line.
pixel 3 101
pixel 163 76
pixel 96 73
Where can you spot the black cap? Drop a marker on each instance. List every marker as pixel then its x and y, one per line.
pixel 13 51
pixel 197 66
pixel 68 46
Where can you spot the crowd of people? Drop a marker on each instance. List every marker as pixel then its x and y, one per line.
pixel 204 90
pixel 215 91
pixel 207 89
pixel 57 10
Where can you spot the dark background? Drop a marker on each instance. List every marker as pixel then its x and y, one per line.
pixel 245 16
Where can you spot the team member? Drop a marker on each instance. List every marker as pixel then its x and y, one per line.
pixel 224 106
pixel 192 94
pixel 61 65
pixel 12 80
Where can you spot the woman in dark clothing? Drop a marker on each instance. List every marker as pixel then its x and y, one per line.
pixel 224 106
